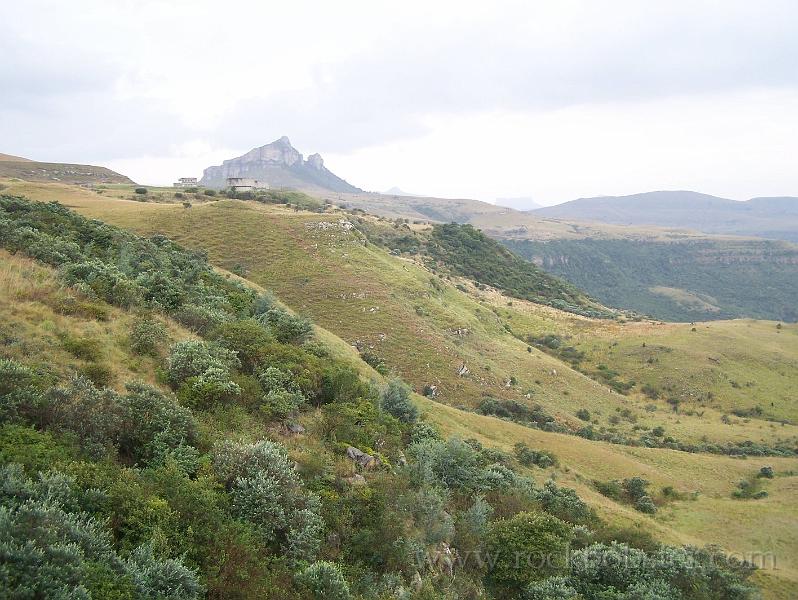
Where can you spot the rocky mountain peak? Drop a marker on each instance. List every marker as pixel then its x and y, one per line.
pixel 315 161
pixel 280 165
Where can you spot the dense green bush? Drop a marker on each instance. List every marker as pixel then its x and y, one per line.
pixel 633 490
pixel 267 491
pixel 529 457
pixel 324 581
pixel 20 391
pixel 57 550
pixel 564 503
pixel 396 400
pixel 143 424
pixel 533 416
pixel 35 450
pixel 287 328
pixel 470 253
pixel 618 571
pixel 194 358
pixel 97 417
pixel 147 335
pixel 526 548
pixel 104 281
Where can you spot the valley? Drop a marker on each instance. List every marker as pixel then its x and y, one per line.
pixel 734 380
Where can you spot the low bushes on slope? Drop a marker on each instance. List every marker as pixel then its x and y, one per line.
pixel 203 490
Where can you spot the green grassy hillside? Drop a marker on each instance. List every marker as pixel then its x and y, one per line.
pixel 424 327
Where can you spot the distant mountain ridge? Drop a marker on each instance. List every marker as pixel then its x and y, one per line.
pixel 12 158
pixel 523 203
pixel 771 217
pixel 31 170
pixel 280 165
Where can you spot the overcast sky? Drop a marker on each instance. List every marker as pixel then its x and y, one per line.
pixel 551 100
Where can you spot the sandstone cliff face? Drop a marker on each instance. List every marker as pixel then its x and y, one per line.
pixel 280 165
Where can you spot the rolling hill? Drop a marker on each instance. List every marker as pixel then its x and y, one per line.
pixel 12 158
pixel 426 326
pixel 29 170
pixel 775 218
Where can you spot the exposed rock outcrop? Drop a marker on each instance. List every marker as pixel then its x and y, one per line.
pixel 280 165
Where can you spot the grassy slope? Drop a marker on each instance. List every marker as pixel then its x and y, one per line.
pixel 37 314
pixel 277 241
pixel 32 290
pixel 742 363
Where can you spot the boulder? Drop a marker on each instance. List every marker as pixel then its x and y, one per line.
pixel 366 461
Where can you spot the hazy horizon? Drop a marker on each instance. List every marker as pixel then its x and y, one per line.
pixel 548 101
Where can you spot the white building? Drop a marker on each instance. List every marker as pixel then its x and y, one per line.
pixel 186 182
pixel 245 184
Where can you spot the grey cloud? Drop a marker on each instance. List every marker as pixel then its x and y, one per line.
pixel 58 97
pixel 381 96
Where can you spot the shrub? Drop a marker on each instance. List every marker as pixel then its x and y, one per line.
pixel 563 503
pixel 267 491
pixel 377 363
pixel 635 487
pixel 206 390
pixel 324 581
pixel 615 566
pixel 287 328
pixel 553 588
pixel 157 424
pixel 20 390
pixel 194 358
pixel 453 464
pixel 645 504
pixel 83 348
pixel 396 401
pixel 146 336
pixel 248 339
pixel 95 416
pixel 167 579
pixel 200 319
pixel 529 457
pixel 281 403
pixel 342 384
pixel 52 549
pixel 141 190
pixel 99 375
pixel 103 281
pixel 473 524
pixel 526 548
pixel 34 450
pixel 583 414
pixel 766 472
pixel 611 489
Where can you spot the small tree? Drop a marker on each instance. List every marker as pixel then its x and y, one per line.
pixel 396 401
